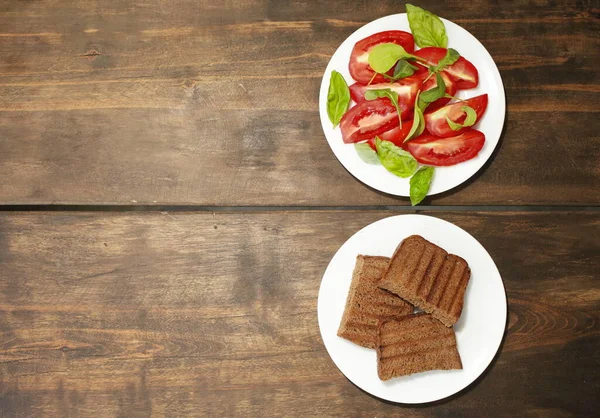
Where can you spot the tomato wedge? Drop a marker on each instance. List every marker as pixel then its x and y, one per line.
pixel 431 150
pixel 436 123
pixel 368 119
pixel 395 136
pixel 359 67
pixel 450 89
pixel 462 71
pixel 406 88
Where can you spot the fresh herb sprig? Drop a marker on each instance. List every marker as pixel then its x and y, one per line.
pixel 338 98
pixel 427 28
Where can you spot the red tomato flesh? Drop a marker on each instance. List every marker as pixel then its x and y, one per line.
pixel 368 119
pixel 450 89
pixel 406 88
pixel 395 136
pixel 359 67
pixel 431 150
pixel 462 71
pixel 436 123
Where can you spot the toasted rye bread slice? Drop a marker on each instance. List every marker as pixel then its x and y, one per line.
pixel 367 304
pixel 428 277
pixel 414 344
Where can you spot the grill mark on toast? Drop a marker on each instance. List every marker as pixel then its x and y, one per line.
pixel 369 317
pixel 421 350
pixel 382 310
pixel 415 322
pixel 430 350
pixel 366 304
pixel 412 278
pixel 457 305
pixel 422 267
pixel 431 272
pixel 380 297
pixel 444 359
pixel 426 276
pixel 444 283
pixel 418 328
pixel 418 345
pixel 453 281
pixel 354 324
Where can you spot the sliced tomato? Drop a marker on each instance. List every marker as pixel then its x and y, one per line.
pixel 368 119
pixel 462 71
pixel 436 123
pixel 360 70
pixel 431 150
pixel 406 88
pixel 395 136
pixel 450 89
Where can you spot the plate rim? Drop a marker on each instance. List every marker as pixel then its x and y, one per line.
pixel 496 76
pixel 496 344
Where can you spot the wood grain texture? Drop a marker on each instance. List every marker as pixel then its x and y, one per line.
pixel 215 315
pixel 114 102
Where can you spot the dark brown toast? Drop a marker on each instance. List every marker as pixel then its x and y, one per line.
pixel 428 277
pixel 414 344
pixel 367 304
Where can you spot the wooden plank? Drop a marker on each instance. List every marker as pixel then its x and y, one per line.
pixel 118 103
pixel 215 314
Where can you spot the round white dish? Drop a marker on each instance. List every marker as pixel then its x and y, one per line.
pixel 479 330
pixel 491 124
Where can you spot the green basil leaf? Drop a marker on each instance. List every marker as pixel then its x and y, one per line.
pixel 450 58
pixel 419 184
pixel 403 69
pixel 418 125
pixel 366 153
pixel 434 93
pixel 395 159
pixel 383 56
pixel 427 28
pixel 471 115
pixel 387 93
pixel 448 96
pixel 469 120
pixel 338 98
pixel 373 94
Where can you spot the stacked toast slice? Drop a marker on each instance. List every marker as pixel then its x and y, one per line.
pixel 379 308
pixel 367 303
pixel 413 344
pixel 428 277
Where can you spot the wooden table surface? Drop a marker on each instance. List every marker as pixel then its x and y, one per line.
pixel 168 205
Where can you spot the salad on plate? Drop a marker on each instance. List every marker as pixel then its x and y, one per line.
pixel 401 110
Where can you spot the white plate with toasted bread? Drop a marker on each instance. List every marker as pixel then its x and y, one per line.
pixel 479 329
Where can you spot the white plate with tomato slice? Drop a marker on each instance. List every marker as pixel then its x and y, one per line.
pixel 454 148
